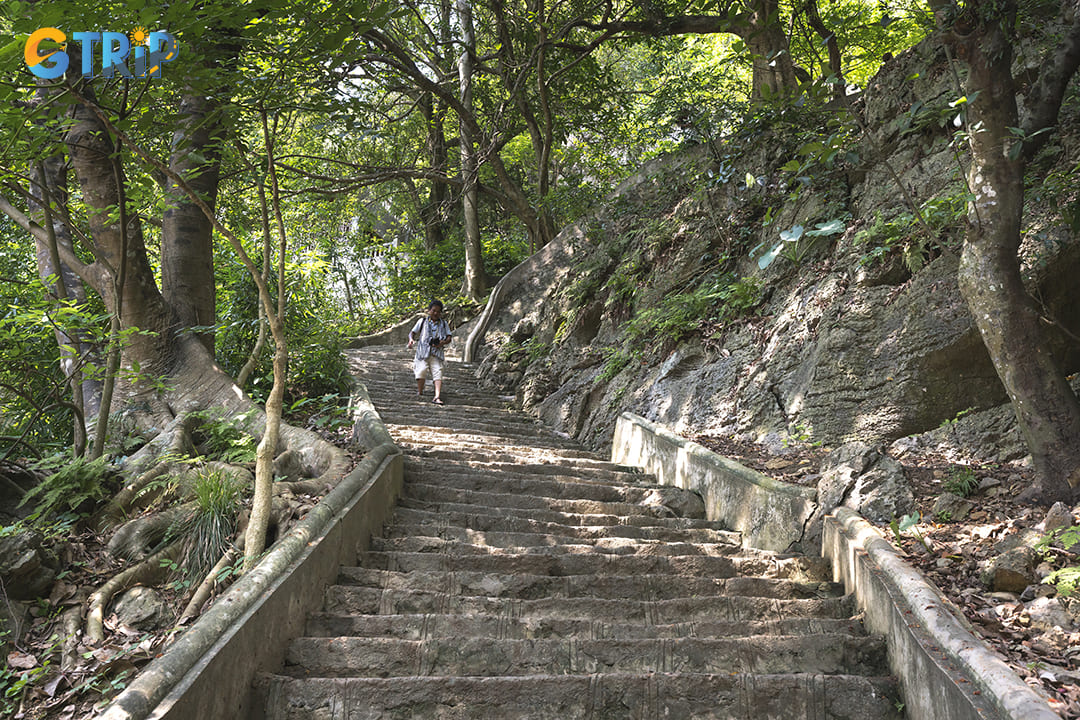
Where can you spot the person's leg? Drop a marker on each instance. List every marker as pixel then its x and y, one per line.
pixel 420 371
pixel 436 378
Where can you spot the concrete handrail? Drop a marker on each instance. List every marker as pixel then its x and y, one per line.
pixel 945 672
pixel 207 673
pixel 949 673
pixel 771 515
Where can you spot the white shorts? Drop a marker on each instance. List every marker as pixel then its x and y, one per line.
pixel 430 366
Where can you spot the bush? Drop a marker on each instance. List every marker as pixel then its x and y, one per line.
pixel 219 438
pixel 317 369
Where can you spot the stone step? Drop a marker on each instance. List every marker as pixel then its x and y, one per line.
pixel 607 546
pixel 520 454
pixel 530 587
pixel 464 526
pixel 473 439
pixel 560 535
pixel 512 428
pixel 606 696
pixel 422 627
pixel 485 657
pixel 612 474
pixel 461 400
pixel 525 577
pixel 420 412
pixel 577 498
pixel 733 608
pixel 477 435
pixel 434 496
pixel 550 478
pixel 747 562
pixel 554 516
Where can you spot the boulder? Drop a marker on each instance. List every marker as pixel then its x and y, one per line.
pixel 1047 614
pixel 27 568
pixel 681 503
pixel 1013 571
pixel 860 477
pixel 524 329
pixel 1057 517
pixel 950 506
pixel 142 608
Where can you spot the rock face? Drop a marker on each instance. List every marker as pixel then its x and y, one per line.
pixel 839 347
pixel 27 568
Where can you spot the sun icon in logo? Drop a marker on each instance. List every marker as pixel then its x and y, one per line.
pixel 139 35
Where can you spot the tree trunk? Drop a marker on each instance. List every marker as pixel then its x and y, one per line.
pixel 774 71
pixel 475 284
pixel 432 210
pixel 255 536
pixel 143 307
pixel 1008 320
pixel 186 237
pixel 829 38
pixel 47 197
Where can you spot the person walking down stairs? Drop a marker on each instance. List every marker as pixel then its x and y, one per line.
pixel 430 335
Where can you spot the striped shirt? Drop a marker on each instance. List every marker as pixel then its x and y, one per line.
pixel 429 329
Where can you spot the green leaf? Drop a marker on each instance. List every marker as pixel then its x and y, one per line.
pixel 909 521
pixel 832 227
pixel 766 260
pixel 791 166
pixel 793 234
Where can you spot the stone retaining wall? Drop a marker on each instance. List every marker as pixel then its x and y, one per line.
pixel 945 672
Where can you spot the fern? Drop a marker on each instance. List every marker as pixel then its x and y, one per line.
pixel 77 481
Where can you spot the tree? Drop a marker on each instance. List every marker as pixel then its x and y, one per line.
pixel 758 25
pixel 475 280
pixel 1008 318
pixel 129 166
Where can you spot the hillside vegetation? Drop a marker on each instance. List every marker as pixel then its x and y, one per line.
pixel 777 283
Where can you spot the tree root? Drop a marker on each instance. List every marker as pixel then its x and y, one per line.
pixel 135 538
pixel 72 623
pixel 155 460
pixel 149 572
pixel 202 593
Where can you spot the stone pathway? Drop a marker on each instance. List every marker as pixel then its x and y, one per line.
pixel 524 577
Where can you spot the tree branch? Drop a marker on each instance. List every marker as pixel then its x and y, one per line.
pixel 1048 91
pixel 90 273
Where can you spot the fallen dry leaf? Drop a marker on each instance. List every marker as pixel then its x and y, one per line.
pixel 21 660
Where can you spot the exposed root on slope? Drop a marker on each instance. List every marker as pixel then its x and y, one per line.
pixel 150 571
pixel 162 495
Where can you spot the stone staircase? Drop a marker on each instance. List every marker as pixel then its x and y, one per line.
pixel 523 577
